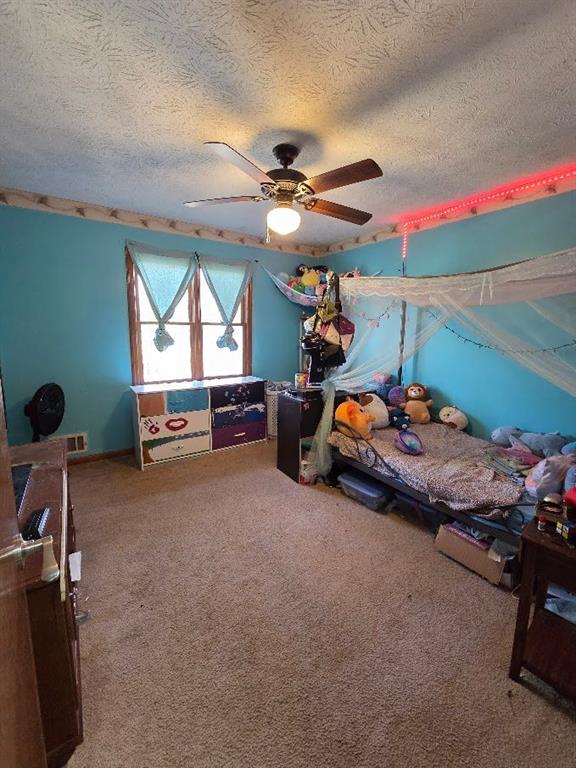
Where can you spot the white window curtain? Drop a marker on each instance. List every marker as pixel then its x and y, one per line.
pixel 166 276
pixel 227 281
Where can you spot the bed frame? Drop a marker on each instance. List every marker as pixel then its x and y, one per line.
pixel 421 500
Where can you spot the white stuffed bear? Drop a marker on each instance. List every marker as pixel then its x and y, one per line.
pixel 375 406
pixel 453 417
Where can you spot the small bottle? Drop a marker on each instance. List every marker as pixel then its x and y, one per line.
pixel 541 523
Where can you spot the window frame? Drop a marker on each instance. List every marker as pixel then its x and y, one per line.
pixel 196 329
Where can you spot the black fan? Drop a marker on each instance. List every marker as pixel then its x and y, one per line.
pixel 287 186
pixel 45 410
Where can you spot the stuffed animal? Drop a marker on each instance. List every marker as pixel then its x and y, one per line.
pixel 545 445
pixel 350 412
pixel 417 403
pixel 310 278
pixel 396 396
pixel 541 444
pixel 399 419
pixel 374 405
pixel 501 436
pixel 381 380
pixel 453 417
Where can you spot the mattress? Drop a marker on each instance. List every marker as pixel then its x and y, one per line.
pixel 450 470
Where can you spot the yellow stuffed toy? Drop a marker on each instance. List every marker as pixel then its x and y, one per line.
pixel 350 412
pixel 310 278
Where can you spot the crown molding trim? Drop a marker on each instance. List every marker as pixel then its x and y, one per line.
pixel 18 198
pixel 445 215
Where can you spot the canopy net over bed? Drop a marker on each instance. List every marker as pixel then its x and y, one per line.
pixel 525 311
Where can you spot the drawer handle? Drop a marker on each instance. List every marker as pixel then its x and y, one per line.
pixel 240 434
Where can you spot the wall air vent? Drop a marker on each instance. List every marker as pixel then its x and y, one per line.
pixel 77 443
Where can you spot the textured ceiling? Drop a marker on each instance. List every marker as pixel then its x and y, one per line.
pixel 109 102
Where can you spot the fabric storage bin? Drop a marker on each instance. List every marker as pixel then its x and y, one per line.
pixel 364 489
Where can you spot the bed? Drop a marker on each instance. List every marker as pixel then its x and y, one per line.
pixel 450 476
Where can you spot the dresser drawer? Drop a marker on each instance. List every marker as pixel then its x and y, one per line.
pixel 237 394
pixel 184 400
pixel 236 415
pixel 175 447
pixel 151 403
pixel 174 424
pixel 225 437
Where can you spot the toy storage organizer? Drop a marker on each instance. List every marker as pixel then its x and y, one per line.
pixel 179 420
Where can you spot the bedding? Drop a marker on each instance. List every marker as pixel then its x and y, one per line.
pixel 450 470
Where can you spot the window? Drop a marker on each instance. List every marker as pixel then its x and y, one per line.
pixel 194 326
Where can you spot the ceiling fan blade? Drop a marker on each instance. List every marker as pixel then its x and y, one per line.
pixel 337 211
pixel 218 200
pixel 226 152
pixel 341 177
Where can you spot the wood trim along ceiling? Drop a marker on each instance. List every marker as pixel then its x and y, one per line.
pixel 48 203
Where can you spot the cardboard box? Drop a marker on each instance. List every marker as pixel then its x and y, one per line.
pixel 468 554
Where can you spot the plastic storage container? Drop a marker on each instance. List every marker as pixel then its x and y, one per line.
pixel 365 489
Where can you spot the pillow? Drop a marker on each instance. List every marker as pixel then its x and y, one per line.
pixel 375 406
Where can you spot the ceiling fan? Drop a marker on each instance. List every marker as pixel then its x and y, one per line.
pixel 287 186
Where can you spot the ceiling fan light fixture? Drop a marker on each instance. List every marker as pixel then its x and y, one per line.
pixel 283 219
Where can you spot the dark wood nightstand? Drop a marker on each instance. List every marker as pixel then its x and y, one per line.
pixel 298 417
pixel 545 645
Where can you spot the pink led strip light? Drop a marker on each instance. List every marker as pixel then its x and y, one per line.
pixel 545 180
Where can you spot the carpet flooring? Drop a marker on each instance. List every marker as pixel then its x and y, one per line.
pixel 242 621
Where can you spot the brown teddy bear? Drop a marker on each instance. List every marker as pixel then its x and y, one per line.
pixel 417 403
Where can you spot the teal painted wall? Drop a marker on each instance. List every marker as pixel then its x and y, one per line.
pixel 64 318
pixel 492 389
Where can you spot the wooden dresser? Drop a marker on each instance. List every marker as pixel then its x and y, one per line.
pixel 179 420
pixel 52 605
